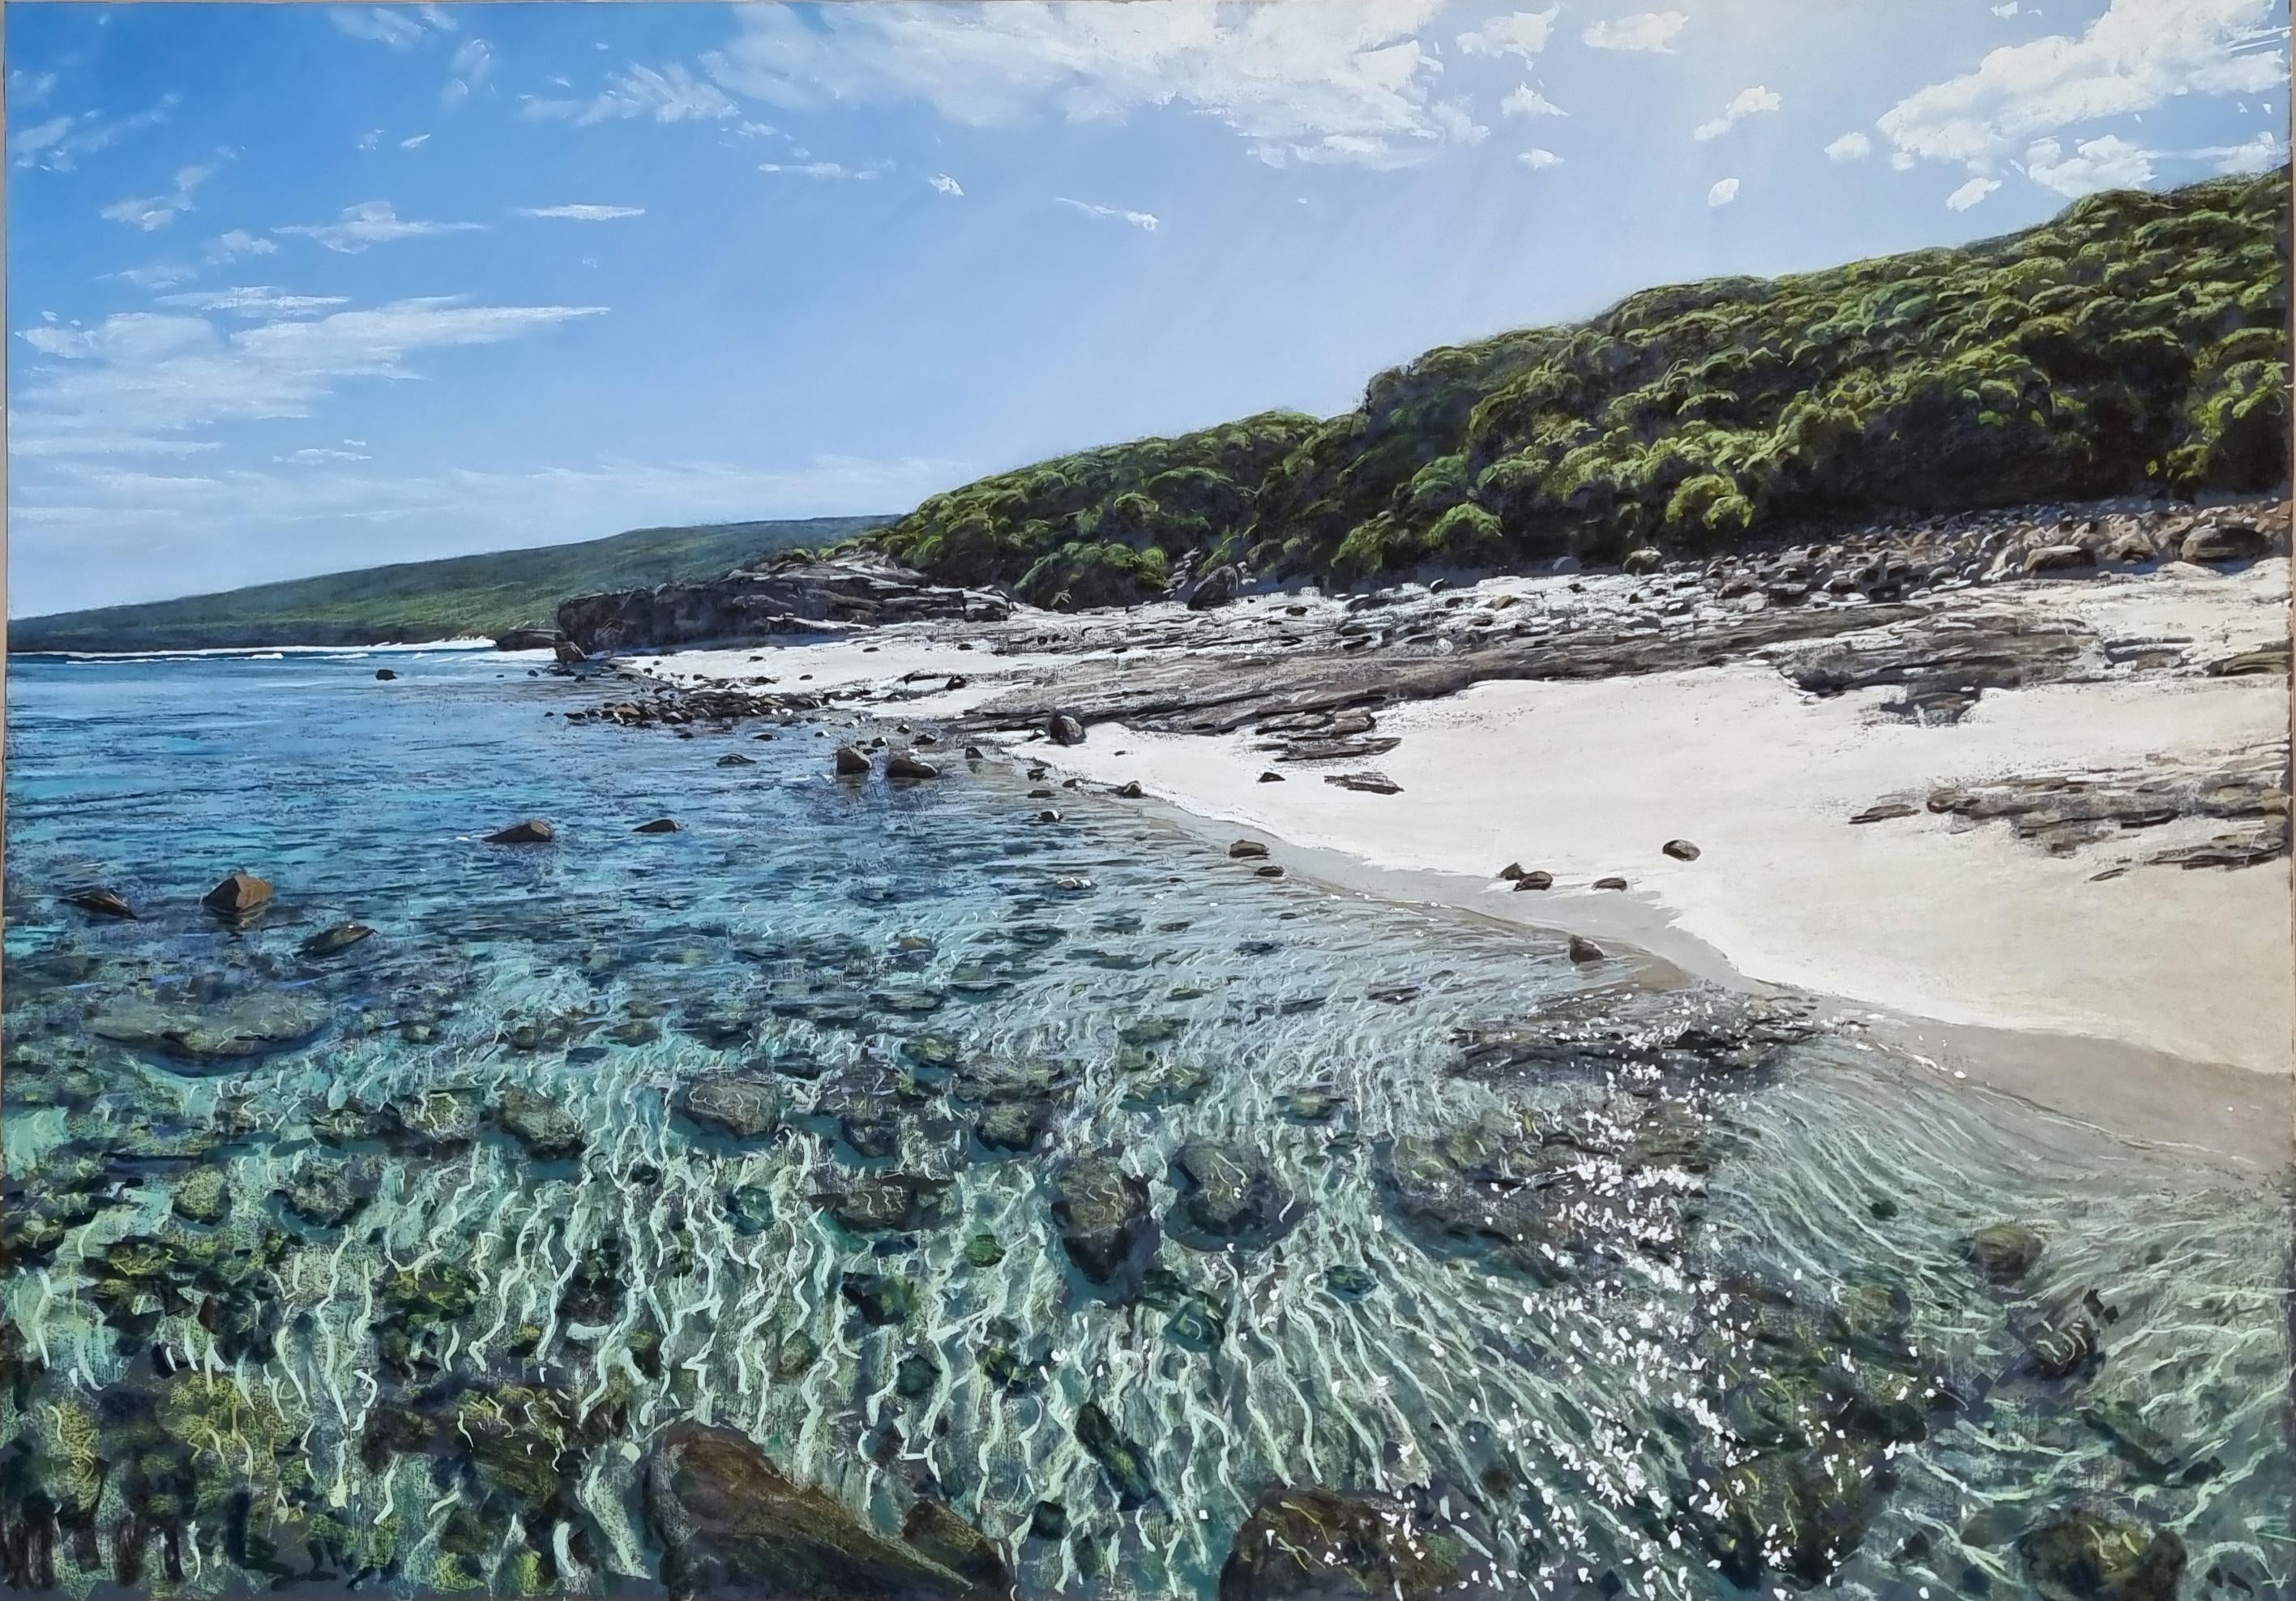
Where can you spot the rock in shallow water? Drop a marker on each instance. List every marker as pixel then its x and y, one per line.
pixel 2005 1253
pixel 731 1525
pixel 744 1105
pixel 1327 1545
pixel 2082 1553
pixel 101 902
pixel 238 898
pixel 545 1128
pixel 534 831
pixel 330 941
pixel 1105 1222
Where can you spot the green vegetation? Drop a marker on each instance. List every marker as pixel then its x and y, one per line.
pixel 457 597
pixel 2137 341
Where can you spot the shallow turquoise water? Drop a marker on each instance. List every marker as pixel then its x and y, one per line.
pixel 876 955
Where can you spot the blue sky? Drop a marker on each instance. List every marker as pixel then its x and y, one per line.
pixel 294 289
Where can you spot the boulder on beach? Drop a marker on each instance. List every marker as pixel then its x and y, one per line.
pixel 909 768
pixel 1063 729
pixel 730 1525
pixel 2055 558
pixel 569 653
pixel 851 761
pixel 659 825
pixel 238 897
pixel 1640 562
pixel 1129 790
pixel 1537 878
pixel 1681 850
pixel 1583 949
pixel 101 902
pixel 527 639
pixel 1247 851
pixel 534 831
pixel 384 675
pixel 2225 542
pixel 1885 811
pixel 1216 588
pixel 1611 884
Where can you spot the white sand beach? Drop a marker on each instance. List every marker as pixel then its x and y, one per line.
pixel 1927 916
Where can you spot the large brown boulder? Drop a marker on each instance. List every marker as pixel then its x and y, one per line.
pixel 731 1525
pixel 238 897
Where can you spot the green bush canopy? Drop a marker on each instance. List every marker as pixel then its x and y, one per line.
pixel 2138 341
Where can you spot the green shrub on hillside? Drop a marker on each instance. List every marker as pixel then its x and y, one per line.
pixel 2137 341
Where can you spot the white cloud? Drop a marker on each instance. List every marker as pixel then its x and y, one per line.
pixel 373 222
pixel 1350 84
pixel 153 211
pixel 1523 33
pixel 155 375
pixel 1755 102
pixel 1539 160
pixel 467 73
pixel 59 143
pixel 1723 193
pixel 253 300
pixel 2008 8
pixel 28 89
pixel 1145 221
pixel 400 28
pixel 2111 162
pixel 234 243
pixel 946 184
pixel 160 275
pixel 667 94
pixel 838 171
pixel 1971 194
pixel 582 213
pixel 1650 31
pixel 1524 101
pixel 2137 56
pixel 2262 153
pixel 1850 147
pixel 316 454
pixel 415 142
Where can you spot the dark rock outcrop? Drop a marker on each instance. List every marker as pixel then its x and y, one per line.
pixel 731 1525
pixel 1105 1222
pixel 101 903
pixel 793 595
pixel 534 831
pixel 526 639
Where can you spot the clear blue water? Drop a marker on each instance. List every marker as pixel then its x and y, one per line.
pixel 876 955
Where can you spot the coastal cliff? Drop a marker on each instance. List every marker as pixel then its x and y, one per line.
pixel 794 596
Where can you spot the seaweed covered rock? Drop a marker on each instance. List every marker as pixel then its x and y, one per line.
pixel 1106 1224
pixel 1229 1197
pixel 742 1105
pixel 1307 1544
pixel 730 1525
pixel 2085 1553
pixel 547 1129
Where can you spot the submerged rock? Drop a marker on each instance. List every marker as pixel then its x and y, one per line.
pixel 2084 1554
pixel 215 1038
pixel 2005 1253
pixel 331 941
pixel 238 898
pixel 1105 1222
pixel 101 902
pixel 547 1130
pixel 743 1104
pixel 882 1203
pixel 1229 1197
pixel 730 1525
pixel 534 831
pixel 1327 1545
pixel 660 826
pixel 1120 1457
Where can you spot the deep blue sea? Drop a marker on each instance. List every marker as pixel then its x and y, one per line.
pixel 392 1262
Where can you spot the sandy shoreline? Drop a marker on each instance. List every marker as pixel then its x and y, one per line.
pixel 1960 930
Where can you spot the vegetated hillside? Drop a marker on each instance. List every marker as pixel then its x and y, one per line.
pixel 2138 340
pixel 455 597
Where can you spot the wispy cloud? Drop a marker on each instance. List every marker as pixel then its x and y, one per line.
pixel 415 142
pixel 154 211
pixel 58 144
pixel 671 94
pixel 1345 83
pixel 1145 221
pixel 371 222
pixel 1652 31
pixel 1851 146
pixel 827 169
pixel 581 213
pixel 467 73
pixel 1755 102
pixel 26 90
pixel 400 27
pixel 1523 34
pixel 1539 160
pixel 946 184
pixel 157 376
pixel 254 300
pixel 1723 193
